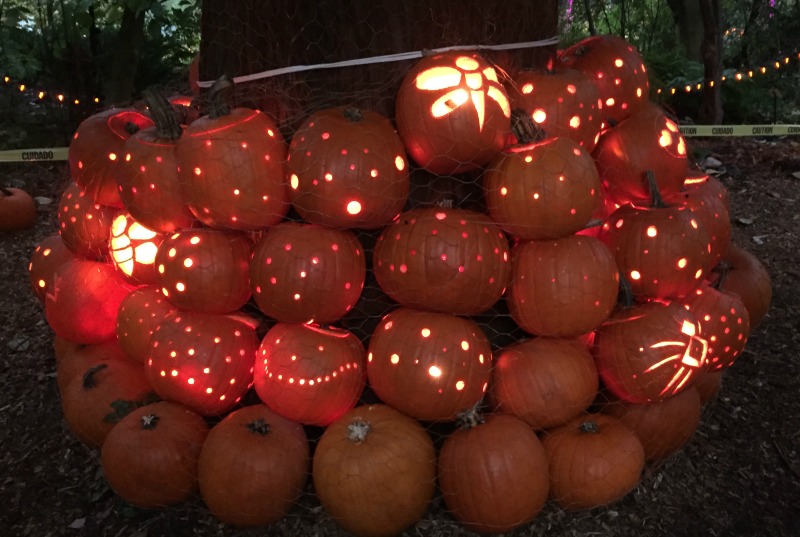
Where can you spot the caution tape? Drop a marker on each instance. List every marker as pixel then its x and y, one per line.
pixel 44 154
pixel 739 130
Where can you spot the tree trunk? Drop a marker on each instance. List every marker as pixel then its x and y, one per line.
pixel 711 106
pixel 241 38
pixel 689 24
pixel 125 57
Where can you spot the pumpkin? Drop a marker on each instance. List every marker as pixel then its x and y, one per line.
pixel 74 361
pixel 708 385
pixel 150 457
pixel 17 209
pixel 83 224
pixel 543 381
pixel 649 352
pixel 83 303
pixel 452 112
pixel 133 248
pixel 742 273
pixel 724 323
pixel 148 175
pixel 306 273
pixel 202 360
pixel 662 250
pixel 594 460
pixel 663 427
pixel 374 471
pixel 96 151
pixel 561 103
pixel 45 260
pixel 646 141
pixel 543 190
pixel 204 270
pixel 617 69
pixel 493 474
pixel 139 314
pixel 308 373
pixel 347 169
pixel 562 287
pixel 231 166
pixel 439 259
pixel 253 466
pixel 430 366
pixel 94 401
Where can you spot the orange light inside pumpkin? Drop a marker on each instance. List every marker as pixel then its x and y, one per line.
pixel 133 248
pixel 693 358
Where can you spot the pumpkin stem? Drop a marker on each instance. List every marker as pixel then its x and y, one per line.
pixel 357 430
pixel 259 426
pixel 150 421
pixel 523 128
pixel 131 128
pixel 590 427
pixel 218 95
pixel 353 114
pixel 89 381
pixel 471 417
pixel 167 125
pixel 625 294
pixel 655 193
pixel 5 191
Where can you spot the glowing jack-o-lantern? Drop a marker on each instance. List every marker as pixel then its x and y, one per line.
pixel 646 141
pixel 83 224
pixel 45 260
pixel 430 366
pixel 139 315
pixel 96 151
pixel 616 68
pixel 347 169
pixel 133 249
pixel 453 113
pixel 308 373
pixel 202 360
pixel 649 352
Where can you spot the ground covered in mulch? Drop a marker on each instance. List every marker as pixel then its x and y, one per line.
pixel 739 475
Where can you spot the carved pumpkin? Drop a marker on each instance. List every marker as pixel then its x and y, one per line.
pixel 148 174
pixel 369 449
pixel 253 466
pixel 646 141
pixel 543 190
pixel 449 260
pixel 742 273
pixel 453 113
pixel 663 427
pixel 662 250
pixel 94 401
pixel 724 323
pixel 133 249
pixel 304 273
pixel 562 287
pixel 204 270
pixel 544 381
pixel 96 151
pixel 83 224
pixel 83 303
pixel 231 167
pixel 347 169
pixel 616 68
pixel 150 457
pixel 594 460
pixel 430 366
pixel 649 352
pixel 139 314
pixel 45 260
pixel 202 360
pixel 310 374
pixel 493 474
pixel 562 103
pixel 17 209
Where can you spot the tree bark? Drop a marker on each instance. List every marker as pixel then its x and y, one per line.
pixel 119 86
pixel 689 24
pixel 711 105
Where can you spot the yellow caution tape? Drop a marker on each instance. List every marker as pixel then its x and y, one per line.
pixel 43 154
pixel 739 130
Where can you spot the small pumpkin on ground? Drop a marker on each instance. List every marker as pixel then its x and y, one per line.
pixel 17 209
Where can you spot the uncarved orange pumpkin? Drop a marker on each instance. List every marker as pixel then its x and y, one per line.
pixel 17 209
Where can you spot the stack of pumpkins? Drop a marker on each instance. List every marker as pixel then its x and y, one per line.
pixel 179 245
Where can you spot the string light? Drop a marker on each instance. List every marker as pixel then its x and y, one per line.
pixel 738 76
pixel 42 94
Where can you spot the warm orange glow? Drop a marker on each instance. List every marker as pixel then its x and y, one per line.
pixel 539 115
pixel 434 371
pixel 354 207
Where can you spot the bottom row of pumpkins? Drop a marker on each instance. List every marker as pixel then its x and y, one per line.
pixel 374 469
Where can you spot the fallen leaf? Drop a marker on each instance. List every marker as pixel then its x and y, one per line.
pixel 41 200
pixel 78 523
pixel 796 175
pixel 745 221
